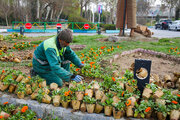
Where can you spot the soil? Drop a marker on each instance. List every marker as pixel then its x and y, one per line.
pixel 159 66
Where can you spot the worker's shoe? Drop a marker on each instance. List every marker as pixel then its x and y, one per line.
pixel 32 73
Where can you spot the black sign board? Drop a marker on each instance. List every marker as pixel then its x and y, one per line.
pixel 146 64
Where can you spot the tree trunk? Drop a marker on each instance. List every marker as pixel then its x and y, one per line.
pixel 52 11
pixel 60 11
pixel 38 6
pixel 6 20
pixel 47 14
pixel 177 13
pixel 81 7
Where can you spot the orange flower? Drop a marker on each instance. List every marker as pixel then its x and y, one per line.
pixel 95 58
pixel 29 43
pixel 96 54
pixel 3 71
pixel 122 93
pixel 66 93
pixel 34 45
pixel 5 103
pixel 82 62
pixel 77 69
pixel 1 117
pixel 113 79
pixel 169 51
pixel 175 102
pixel 13 47
pixel 100 53
pixel 171 48
pixel 23 110
pixel 39 119
pixel 103 47
pixel 69 92
pixel 118 46
pixel 133 81
pixel 178 95
pixel 23 43
pixel 40 85
pixel 15 43
pixel 148 109
pixel 91 63
pixel 92 49
pixel 108 50
pixel 70 65
pixel 29 77
pixel 0 53
pixel 112 48
pixel 82 54
pixel 19 49
pixel 86 94
pixel 128 102
pixel 25 107
pixel 94 66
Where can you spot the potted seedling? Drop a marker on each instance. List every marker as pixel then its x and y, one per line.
pixel 162 111
pixel 43 97
pixel 65 95
pixel 89 90
pixel 83 107
pixel 53 86
pixel 144 109
pixel 28 89
pixel 35 94
pixel 95 85
pixel 99 107
pixel 12 86
pixel 21 90
pixel 119 110
pixel 120 82
pixel 19 78
pixel 75 103
pixel 99 93
pixel 174 110
pixel 108 104
pixel 56 97
pixel 80 91
pixel 90 103
pixel 158 94
pixel 6 82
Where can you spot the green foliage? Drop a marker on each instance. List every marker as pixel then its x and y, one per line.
pixel 152 86
pixel 89 100
pixel 128 74
pixel 162 108
pixel 109 27
pixel 120 105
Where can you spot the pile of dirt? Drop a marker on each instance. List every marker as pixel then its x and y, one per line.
pixel 159 65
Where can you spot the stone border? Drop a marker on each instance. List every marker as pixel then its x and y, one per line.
pixel 151 52
pixel 62 113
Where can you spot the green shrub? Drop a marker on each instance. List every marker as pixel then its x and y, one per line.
pixel 109 27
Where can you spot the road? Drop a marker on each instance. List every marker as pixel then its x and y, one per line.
pixel 157 33
pixel 165 33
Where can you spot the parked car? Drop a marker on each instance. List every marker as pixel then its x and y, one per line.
pixel 175 25
pixel 163 24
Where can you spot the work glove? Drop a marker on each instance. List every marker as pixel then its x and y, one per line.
pixel 77 78
pixel 81 65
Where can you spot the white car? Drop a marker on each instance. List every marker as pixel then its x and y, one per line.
pixel 175 25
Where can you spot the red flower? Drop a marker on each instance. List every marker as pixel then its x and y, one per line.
pixel 91 63
pixel 178 95
pixel 25 107
pixel 5 103
pixel 23 110
pixel 148 109
pixel 175 102
pixel 86 94
pixel 128 102
pixel 1 117
pixel 113 79
pixel 70 65
pixel 82 62
pixel 34 45
pixel 77 69
pixel 133 81
pixel 3 71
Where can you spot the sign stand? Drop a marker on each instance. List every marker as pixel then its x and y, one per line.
pixel 146 64
pixel 22 30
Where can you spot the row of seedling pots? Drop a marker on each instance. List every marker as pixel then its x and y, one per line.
pixel 117 96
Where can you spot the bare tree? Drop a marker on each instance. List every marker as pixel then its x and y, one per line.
pixel 170 4
pixel 5 9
